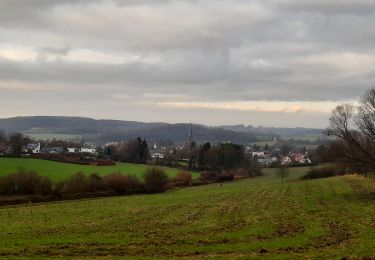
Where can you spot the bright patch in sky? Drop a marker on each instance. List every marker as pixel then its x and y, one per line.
pixel 257 106
pixel 276 62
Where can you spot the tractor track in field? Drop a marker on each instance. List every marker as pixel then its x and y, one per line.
pixel 221 224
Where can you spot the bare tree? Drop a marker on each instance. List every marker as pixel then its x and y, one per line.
pixel 283 172
pixel 355 128
pixel 366 115
pixel 16 142
pixel 3 136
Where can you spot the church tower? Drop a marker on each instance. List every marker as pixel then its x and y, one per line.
pixel 189 141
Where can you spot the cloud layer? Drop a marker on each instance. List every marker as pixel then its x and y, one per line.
pixel 164 60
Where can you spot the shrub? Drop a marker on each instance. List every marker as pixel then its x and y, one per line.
pixel 96 183
pixel 58 189
pixel 226 175
pixel 320 173
pixel 156 180
pixel 25 183
pixel 45 186
pixel 114 182
pixel 255 169
pixel 123 183
pixel 209 176
pixel 182 179
pixel 78 183
pixel 214 176
pixel 241 173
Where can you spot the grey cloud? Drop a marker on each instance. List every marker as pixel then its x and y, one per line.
pixel 203 50
pixel 56 50
pixel 173 24
pixel 199 80
pixel 330 7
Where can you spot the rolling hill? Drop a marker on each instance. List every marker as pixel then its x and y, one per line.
pixel 102 131
pixel 283 132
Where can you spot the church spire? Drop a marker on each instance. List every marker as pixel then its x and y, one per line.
pixel 190 136
pixel 191 132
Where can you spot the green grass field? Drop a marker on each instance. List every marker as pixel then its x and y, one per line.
pixel 253 218
pixel 61 171
pixel 294 173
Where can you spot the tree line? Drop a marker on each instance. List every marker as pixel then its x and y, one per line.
pixel 25 182
pixel 133 151
pixel 211 157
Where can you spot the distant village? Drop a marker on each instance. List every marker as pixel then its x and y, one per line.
pixel 266 156
pixel 36 148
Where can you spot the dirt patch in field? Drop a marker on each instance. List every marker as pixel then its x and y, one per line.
pixel 362 191
pixel 338 234
pixel 360 196
pixel 196 213
pixel 288 230
pixel 90 249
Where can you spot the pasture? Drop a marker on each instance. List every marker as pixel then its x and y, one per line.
pixel 252 218
pixel 294 173
pixel 57 171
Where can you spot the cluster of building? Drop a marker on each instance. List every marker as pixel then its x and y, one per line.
pixel 265 157
pixel 161 151
pixel 36 148
pixel 270 157
pixel 296 158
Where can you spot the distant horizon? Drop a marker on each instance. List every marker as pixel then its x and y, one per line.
pixel 179 122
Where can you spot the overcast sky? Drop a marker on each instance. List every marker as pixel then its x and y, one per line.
pixel 259 62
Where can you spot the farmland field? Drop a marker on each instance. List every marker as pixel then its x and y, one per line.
pixel 260 217
pixel 61 171
pixel 270 174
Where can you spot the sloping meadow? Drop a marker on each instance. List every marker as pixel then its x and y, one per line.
pixel 326 218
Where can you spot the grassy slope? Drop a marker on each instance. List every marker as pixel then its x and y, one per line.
pixel 271 174
pixel 258 217
pixel 61 171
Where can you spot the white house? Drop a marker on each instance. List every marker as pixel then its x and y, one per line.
pixel 307 161
pixel 88 149
pixel 286 160
pixel 157 156
pixel 264 161
pixel 33 148
pixel 111 144
pixel 257 154
pixel 301 158
pixel 52 150
pixel 73 150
